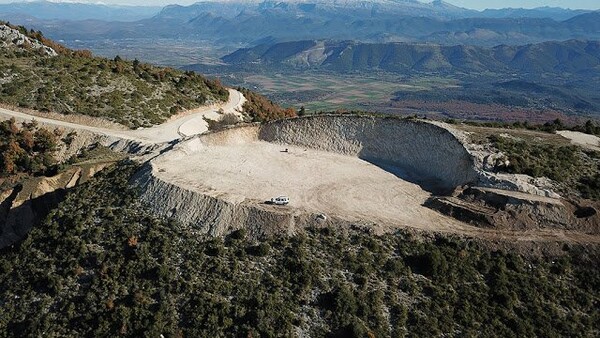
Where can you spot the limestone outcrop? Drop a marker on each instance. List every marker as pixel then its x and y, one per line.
pixel 10 36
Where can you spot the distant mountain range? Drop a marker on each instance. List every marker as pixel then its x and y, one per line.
pixel 71 10
pixel 552 75
pixel 573 56
pixel 46 10
pixel 555 13
pixel 249 23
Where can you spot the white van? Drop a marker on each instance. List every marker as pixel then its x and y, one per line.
pixel 281 200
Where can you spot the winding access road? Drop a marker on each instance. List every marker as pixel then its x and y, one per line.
pixel 186 124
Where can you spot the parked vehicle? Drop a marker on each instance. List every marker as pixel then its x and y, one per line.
pixel 280 200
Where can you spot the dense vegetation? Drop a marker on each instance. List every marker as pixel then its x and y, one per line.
pixel 555 162
pixel 74 82
pixel 101 266
pixel 27 149
pixel 261 109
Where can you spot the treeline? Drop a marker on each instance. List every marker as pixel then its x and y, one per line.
pixel 101 265
pixel 261 109
pixel 589 127
pixel 27 149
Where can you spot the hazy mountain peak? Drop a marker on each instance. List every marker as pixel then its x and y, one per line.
pixel 73 10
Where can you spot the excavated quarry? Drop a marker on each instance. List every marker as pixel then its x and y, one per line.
pixel 378 172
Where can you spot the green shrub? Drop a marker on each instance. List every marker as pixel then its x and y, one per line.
pixel 102 265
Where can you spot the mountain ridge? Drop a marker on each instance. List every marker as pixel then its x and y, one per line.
pixel 235 23
pixel 565 56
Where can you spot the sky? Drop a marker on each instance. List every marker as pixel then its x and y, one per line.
pixel 473 4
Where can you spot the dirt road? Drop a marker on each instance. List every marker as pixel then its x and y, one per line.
pixel 187 124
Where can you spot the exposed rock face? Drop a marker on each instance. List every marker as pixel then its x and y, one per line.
pixel 424 150
pixel 10 36
pixel 214 216
pixel 486 161
pixel 502 209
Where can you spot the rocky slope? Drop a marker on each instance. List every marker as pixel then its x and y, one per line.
pixel 12 37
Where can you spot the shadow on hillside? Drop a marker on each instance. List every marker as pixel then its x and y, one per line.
pixel 431 185
pixel 17 222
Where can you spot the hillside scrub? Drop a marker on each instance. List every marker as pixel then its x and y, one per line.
pixel 75 82
pixel 569 165
pixel 27 149
pixel 100 265
pixel 261 109
pixel 589 127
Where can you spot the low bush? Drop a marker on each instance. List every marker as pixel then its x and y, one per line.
pixel 101 265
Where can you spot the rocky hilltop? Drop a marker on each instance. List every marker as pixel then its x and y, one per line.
pixel 12 37
pixel 414 150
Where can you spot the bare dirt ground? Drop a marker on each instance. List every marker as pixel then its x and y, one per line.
pixel 322 182
pixel 186 125
pixel 585 140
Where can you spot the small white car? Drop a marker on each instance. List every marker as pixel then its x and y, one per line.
pixel 281 200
